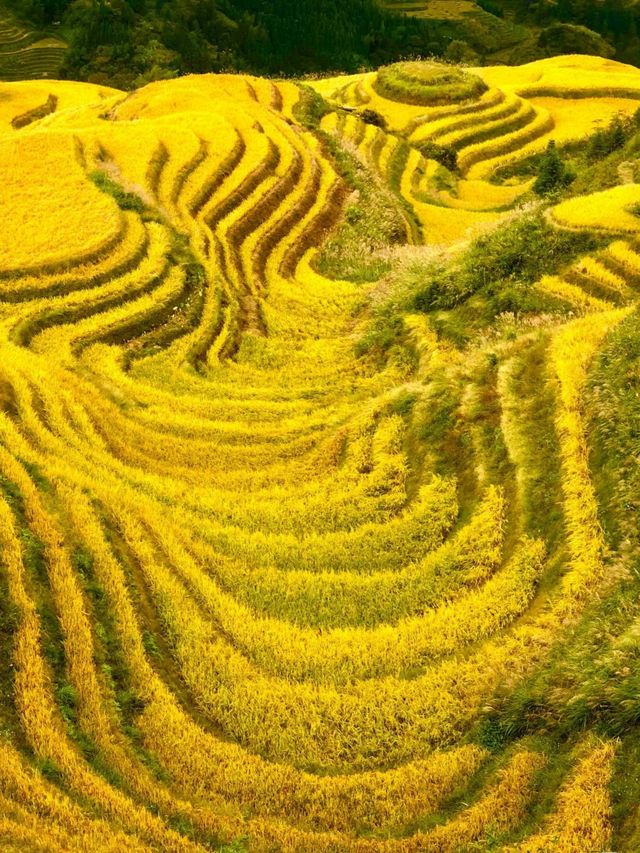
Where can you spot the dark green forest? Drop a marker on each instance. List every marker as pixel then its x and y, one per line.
pixel 127 43
pixel 616 21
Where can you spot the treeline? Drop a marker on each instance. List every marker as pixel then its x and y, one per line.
pixel 608 17
pixel 616 21
pixel 128 42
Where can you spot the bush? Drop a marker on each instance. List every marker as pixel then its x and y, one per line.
pixel 311 108
pixel 374 118
pixel 507 260
pixel 613 137
pixel 559 39
pixel 460 51
pixel 386 330
pixel 554 174
pixel 442 291
pixel 443 154
pixel 491 7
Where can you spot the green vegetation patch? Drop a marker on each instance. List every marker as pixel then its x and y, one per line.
pixel 125 200
pixel 372 221
pixel 503 265
pixel 428 83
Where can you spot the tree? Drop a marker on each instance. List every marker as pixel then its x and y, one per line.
pixel 446 155
pixel 618 134
pixel 372 117
pixel 559 39
pixel 613 137
pixel 460 51
pixel 554 173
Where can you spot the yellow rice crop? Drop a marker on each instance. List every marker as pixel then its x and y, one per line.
pixel 251 591
pixel 582 818
pixel 571 293
pixel 608 210
pixel 66 220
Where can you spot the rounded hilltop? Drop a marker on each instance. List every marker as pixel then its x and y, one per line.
pixel 427 83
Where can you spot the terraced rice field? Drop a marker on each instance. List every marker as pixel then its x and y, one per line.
pixel 27 55
pixel 438 9
pixel 466 20
pixel 248 591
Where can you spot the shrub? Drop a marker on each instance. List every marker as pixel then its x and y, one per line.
pixel 509 259
pixel 613 137
pixel 310 108
pixel 554 174
pixel 491 7
pixel 374 118
pixel 460 51
pixel 446 155
pixel 559 39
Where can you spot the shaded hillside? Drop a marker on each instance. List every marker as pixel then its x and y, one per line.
pixel 464 29
pixel 26 53
pixel 512 31
pixel 616 21
pixel 131 41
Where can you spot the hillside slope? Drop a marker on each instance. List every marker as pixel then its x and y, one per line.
pixel 318 500
pixel 465 26
pixel 28 54
pixel 131 42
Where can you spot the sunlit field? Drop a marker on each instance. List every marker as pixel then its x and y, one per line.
pixel 318 523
